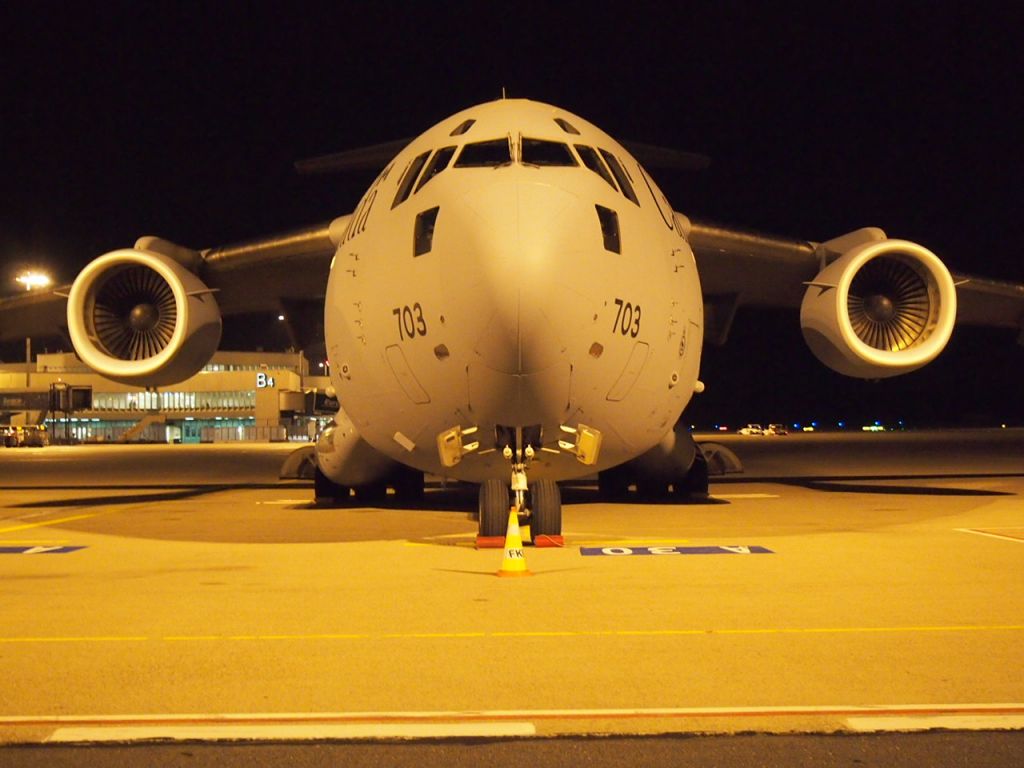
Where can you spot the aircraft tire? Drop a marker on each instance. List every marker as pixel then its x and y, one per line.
pixel 613 484
pixel 408 485
pixel 328 493
pixel 546 499
pixel 695 483
pixel 374 493
pixel 494 505
pixel 652 488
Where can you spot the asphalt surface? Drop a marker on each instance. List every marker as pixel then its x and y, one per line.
pixel 842 584
pixel 936 750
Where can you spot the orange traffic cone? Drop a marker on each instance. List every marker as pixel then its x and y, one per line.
pixel 514 563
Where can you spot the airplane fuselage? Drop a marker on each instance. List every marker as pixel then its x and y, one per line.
pixel 514 268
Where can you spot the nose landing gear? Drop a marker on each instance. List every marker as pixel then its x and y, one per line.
pixel 538 505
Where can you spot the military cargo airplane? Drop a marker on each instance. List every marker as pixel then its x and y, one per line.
pixel 514 302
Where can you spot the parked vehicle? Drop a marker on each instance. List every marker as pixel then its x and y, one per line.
pixel 752 429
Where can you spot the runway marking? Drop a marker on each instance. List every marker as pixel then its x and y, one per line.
pixel 33 542
pixel 745 495
pixel 374 636
pixel 301 732
pixel 26 526
pixel 39 550
pixel 286 501
pixel 619 551
pixel 521 722
pixel 1003 536
pixel 958 722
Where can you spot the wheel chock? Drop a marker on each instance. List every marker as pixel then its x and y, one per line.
pixel 543 540
pixel 490 542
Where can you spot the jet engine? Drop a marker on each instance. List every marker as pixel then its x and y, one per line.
pixel 140 317
pixel 883 308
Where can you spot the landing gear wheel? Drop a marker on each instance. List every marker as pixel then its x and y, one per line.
pixel 613 484
pixel 328 493
pixel 494 506
pixel 695 483
pixel 651 489
pixel 408 485
pixel 546 499
pixel 374 493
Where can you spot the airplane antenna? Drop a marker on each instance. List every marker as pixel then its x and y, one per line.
pixel 503 96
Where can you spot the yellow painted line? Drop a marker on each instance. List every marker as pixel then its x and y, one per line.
pixel 296 732
pixel 523 634
pixel 33 542
pixel 745 496
pixel 58 521
pixel 96 639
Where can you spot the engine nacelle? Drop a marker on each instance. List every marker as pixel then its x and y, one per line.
pixel 883 308
pixel 141 318
pixel 346 459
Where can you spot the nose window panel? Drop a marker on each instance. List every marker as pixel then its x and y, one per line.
pixel 620 176
pixel 484 154
pixel 566 126
pixel 609 220
pixel 437 164
pixel 423 234
pixel 547 153
pixel 462 127
pixel 593 161
pixel 405 185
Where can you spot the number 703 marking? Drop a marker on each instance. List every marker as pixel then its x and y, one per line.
pixel 627 319
pixel 411 322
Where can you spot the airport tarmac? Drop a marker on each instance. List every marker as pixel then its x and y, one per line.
pixel 854 583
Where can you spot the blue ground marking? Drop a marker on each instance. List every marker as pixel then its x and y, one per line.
pixel 671 550
pixel 38 550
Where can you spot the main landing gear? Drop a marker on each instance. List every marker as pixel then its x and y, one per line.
pixel 538 504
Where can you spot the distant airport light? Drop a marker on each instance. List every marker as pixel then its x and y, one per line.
pixel 34 280
pixel 280 317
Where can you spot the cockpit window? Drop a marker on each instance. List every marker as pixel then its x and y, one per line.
pixel 620 176
pixel 484 154
pixel 405 185
pixel 437 164
pixel 462 127
pixel 540 152
pixel 593 161
pixel 566 126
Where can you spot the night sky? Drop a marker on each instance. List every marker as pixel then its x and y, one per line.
pixel 183 120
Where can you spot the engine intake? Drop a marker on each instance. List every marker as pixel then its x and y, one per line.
pixel 140 317
pixel 882 309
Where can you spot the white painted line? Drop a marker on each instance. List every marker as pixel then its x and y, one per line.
pixel 1018 539
pixel 278 732
pixel 745 495
pixel 286 501
pixel 930 722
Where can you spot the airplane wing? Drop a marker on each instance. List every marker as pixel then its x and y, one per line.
pixel 284 273
pixel 744 268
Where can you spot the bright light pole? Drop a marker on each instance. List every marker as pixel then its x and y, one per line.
pixel 33 281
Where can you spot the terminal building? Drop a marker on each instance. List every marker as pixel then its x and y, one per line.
pixel 237 396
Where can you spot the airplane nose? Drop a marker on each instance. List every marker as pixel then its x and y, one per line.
pixel 517 261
